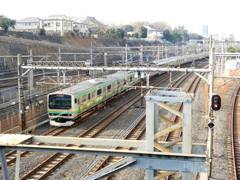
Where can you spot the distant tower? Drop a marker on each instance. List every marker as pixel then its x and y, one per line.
pixel 205 30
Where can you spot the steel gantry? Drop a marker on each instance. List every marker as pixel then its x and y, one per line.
pixel 154 99
pixel 144 157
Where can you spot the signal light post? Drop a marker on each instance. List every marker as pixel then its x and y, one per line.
pixel 216 102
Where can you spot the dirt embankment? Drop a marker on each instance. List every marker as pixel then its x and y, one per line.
pixel 22 42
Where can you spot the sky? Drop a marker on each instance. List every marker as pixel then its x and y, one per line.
pixel 222 17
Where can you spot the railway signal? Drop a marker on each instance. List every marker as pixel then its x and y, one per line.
pixel 87 73
pixel 216 102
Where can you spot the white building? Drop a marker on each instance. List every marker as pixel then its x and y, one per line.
pixel 30 24
pixel 153 33
pixel 80 27
pixel 57 24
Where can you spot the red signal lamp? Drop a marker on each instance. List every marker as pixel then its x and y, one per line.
pixel 216 102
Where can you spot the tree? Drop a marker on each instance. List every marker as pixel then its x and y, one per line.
pixel 120 33
pixel 162 25
pixel 180 34
pixel 128 28
pixel 6 23
pixel 233 50
pixel 194 36
pixel 137 25
pixel 167 36
pixel 177 37
pixel 143 32
pixel 42 32
pixel 100 32
pixel 111 32
pixel 136 35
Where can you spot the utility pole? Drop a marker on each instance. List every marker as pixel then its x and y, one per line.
pixel 158 52
pixel 211 87
pixel 166 52
pixel 30 79
pixel 105 58
pixel 126 55
pixel 141 55
pixel 91 60
pixel 20 94
pixel 58 71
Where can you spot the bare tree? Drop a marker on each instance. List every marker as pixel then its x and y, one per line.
pixel 162 25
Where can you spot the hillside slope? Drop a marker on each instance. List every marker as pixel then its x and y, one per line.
pixel 12 43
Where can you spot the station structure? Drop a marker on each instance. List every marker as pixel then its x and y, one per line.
pixel 151 155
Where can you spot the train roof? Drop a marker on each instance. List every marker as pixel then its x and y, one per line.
pixel 93 83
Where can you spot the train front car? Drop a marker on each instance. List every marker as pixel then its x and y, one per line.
pixel 60 109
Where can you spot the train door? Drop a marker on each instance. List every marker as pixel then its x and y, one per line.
pixel 84 101
pixel 89 99
pixel 94 97
pixel 115 86
pixel 99 95
pixel 80 103
pixel 104 92
pixel 109 89
pixel 118 86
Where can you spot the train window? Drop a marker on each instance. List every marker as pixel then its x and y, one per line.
pixel 99 92
pixel 59 101
pixel 89 96
pixel 84 98
pixel 125 82
pixel 93 94
pixel 108 88
pixel 75 100
pixel 131 79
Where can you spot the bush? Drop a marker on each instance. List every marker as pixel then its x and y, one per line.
pixel 42 32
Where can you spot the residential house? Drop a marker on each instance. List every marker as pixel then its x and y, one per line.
pixel 93 24
pixel 60 24
pixel 153 33
pixel 80 27
pixel 57 24
pixel 29 24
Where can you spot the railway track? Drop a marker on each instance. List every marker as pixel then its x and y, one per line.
pixel 176 119
pixel 49 165
pixel 135 133
pixel 63 156
pixel 44 169
pixel 55 131
pixel 139 129
pixel 234 137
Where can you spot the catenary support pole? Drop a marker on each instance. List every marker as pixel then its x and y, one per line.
pixel 20 94
pixel 187 135
pixel 151 129
pixel 126 55
pixel 211 86
pixel 30 79
pixel 17 165
pixel 59 59
pixel 141 55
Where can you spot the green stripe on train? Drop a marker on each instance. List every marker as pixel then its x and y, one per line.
pixel 100 87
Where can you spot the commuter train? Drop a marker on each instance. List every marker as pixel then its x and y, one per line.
pixel 66 105
pixel 178 60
